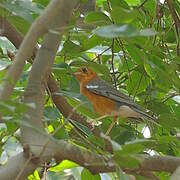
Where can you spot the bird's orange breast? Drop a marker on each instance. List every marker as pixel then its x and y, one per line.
pixel 101 105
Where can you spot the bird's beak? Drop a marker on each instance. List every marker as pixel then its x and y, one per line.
pixel 76 73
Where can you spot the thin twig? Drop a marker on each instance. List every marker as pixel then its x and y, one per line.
pixel 112 63
pixel 173 13
pixel 138 85
pixel 177 24
pixel 124 55
pixel 101 53
pixel 142 4
pixel 169 97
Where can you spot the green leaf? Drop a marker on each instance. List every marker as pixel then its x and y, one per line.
pixel 86 175
pixel 123 134
pixel 100 2
pixel 157 70
pixel 137 146
pixel 125 161
pixel 3 127
pixel 51 114
pixel 97 141
pixel 121 175
pixel 97 18
pixel 91 42
pixel 61 133
pixel 12 107
pixel 84 107
pixel 120 15
pixel 4 64
pixel 42 3
pixel 11 126
pixel 135 54
pixel 137 83
pixel 12 147
pixel 151 6
pixel 5 45
pixel 17 6
pixel 147 32
pixel 113 31
pixel 70 48
pixel 36 175
pixel 133 2
pixel 102 69
pixel 65 164
pixel 18 21
pixel 170 36
pixel 82 128
pixel 122 3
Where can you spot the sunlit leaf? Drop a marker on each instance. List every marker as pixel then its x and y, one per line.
pixel 86 175
pixel 120 15
pixel 113 31
pixel 4 64
pixel 133 2
pixel 97 18
pixel 63 165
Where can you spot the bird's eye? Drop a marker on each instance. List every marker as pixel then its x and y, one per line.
pixel 84 70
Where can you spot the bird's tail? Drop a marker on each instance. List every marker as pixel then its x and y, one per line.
pixel 145 115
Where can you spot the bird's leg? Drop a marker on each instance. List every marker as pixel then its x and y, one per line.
pixel 111 126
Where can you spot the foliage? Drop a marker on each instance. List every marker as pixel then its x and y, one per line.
pixel 129 45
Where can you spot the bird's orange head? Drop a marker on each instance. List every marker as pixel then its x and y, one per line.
pixel 84 74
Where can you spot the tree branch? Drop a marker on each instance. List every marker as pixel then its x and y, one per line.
pixel 62 104
pixel 176 174
pixel 177 24
pixel 43 23
pixel 173 13
pixel 39 74
pixel 95 163
pixel 10 32
pixel 34 93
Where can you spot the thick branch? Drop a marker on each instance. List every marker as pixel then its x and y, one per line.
pixel 34 92
pixel 43 23
pixel 173 13
pixel 61 103
pixel 39 74
pixel 160 163
pixel 9 31
pixel 176 174
pixel 14 166
pixel 95 163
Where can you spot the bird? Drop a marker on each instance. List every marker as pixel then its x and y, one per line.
pixel 105 99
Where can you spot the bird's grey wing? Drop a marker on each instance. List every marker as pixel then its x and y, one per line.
pixel 102 88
